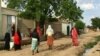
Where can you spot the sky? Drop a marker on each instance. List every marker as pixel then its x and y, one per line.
pixel 3 4
pixel 91 9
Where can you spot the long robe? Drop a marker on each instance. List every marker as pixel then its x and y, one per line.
pixel 35 40
pixel 34 44
pixel 74 35
pixel 50 38
pixel 7 41
pixel 17 42
pixel 39 31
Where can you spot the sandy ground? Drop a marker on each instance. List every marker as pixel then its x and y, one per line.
pixel 95 51
pixel 62 47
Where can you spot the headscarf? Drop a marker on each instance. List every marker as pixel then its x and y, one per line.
pixel 49 30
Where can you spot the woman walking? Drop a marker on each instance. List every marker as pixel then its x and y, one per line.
pixel 7 41
pixel 17 40
pixel 74 35
pixel 35 41
pixel 50 38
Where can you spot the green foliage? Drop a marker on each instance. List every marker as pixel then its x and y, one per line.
pixel 37 10
pixel 43 9
pixel 79 24
pixel 32 10
pixel 96 22
pixel 97 38
pixel 68 9
pixel 13 3
pixel 16 4
pixel 91 44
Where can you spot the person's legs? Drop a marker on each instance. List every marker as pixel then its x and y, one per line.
pixel 49 47
pixel 37 45
pixel 7 46
pixel 34 46
pixel 20 46
pixel 32 52
pixel 37 50
pixel 49 42
pixel 75 42
pixel 15 47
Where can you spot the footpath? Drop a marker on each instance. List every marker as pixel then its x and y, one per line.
pixel 62 47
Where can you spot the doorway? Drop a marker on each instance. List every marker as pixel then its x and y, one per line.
pixel 68 30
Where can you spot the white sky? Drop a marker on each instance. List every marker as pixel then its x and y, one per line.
pixel 91 9
pixel 3 4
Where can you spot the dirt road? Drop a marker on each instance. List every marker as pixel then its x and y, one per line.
pixel 62 47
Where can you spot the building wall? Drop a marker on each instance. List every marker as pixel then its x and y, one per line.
pixel 60 27
pixel 4 24
pixel 64 28
pixel 55 25
pixel 29 23
pixel 0 21
pixel 7 11
pixel 26 26
pixel 11 12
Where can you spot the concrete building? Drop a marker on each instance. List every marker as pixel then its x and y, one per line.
pixel 8 17
pixel 62 26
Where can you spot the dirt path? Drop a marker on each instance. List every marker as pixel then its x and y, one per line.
pixel 95 51
pixel 62 47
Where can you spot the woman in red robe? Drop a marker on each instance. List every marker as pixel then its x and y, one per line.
pixel 17 40
pixel 39 31
pixel 74 35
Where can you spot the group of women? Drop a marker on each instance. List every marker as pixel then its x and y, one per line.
pixel 36 34
pixel 36 38
pixel 14 41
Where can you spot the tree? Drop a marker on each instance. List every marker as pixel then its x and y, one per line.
pixel 47 10
pixel 67 9
pixel 64 8
pixel 96 22
pixel 80 26
pixel 16 4
pixel 43 10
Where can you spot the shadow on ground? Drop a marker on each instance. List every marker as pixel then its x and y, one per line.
pixel 60 47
